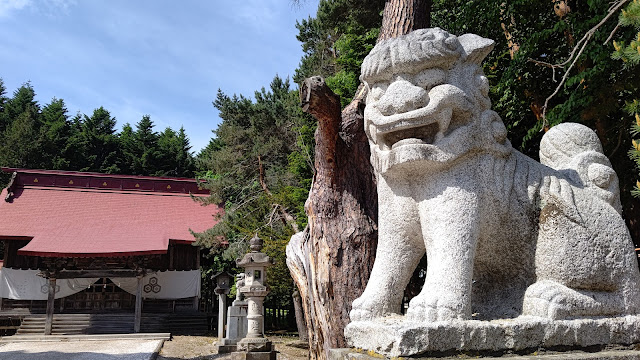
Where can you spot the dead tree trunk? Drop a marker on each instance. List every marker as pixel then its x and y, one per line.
pixel 331 260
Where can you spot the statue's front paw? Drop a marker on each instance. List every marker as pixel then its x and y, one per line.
pixel 434 307
pixel 364 309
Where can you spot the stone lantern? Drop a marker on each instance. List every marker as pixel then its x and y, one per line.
pixel 223 287
pixel 255 289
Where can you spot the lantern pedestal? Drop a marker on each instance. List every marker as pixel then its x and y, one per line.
pixel 255 346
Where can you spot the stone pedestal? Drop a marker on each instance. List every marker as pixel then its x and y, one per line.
pixel 394 337
pixel 616 354
pixel 236 327
pixel 241 355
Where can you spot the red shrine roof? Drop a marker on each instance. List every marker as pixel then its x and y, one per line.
pixel 76 214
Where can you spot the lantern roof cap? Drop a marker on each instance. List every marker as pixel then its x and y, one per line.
pixel 255 259
pixel 222 273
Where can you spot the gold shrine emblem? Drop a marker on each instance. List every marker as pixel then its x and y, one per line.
pixel 168 186
pixel 137 185
pixel 35 180
pixel 104 183
pixel 70 182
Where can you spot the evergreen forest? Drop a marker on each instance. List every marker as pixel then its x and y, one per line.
pixel 46 136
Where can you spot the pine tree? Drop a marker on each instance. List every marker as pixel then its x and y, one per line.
pixel 55 131
pixel 184 157
pixel 146 143
pixel 19 136
pixel 97 143
pixel 4 117
pixel 23 101
pixel 19 148
pixel 630 55
pixel 129 154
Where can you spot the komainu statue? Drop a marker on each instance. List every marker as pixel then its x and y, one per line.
pixel 505 237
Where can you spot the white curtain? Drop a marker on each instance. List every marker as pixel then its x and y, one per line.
pixel 166 285
pixel 27 285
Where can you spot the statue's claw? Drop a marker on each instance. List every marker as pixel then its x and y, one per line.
pixel 364 309
pixel 434 307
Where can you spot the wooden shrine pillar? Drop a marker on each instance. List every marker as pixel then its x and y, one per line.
pixel 48 324
pixel 138 315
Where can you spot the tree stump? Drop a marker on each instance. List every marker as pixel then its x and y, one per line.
pixel 331 260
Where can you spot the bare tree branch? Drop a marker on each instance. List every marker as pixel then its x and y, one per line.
pixel 575 55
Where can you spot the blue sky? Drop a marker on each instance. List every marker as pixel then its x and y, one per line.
pixel 158 57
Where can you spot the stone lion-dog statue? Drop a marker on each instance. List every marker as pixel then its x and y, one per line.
pixel 504 235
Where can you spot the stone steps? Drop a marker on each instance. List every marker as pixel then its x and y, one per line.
pixel 93 337
pixel 76 324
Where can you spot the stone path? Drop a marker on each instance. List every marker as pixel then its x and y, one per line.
pixel 81 350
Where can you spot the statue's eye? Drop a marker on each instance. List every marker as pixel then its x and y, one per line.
pixel 430 78
pixel 378 89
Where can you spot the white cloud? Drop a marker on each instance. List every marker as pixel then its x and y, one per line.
pixel 6 6
pixel 55 7
pixel 47 7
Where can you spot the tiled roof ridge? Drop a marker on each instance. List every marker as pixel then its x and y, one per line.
pixel 59 179
pixel 106 191
pixel 92 174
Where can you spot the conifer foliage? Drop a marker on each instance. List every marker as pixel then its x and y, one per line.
pixel 259 168
pixel 46 137
pixel 630 55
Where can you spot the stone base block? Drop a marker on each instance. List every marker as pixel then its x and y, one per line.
pixel 226 349
pixel 394 336
pixel 255 345
pixel 254 355
pixel 353 354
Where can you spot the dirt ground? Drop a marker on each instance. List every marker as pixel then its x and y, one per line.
pixel 204 348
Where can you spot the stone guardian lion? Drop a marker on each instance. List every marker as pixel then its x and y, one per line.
pixel 503 234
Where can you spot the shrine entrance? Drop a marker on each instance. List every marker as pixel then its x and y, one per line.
pixel 101 296
pixel 87 243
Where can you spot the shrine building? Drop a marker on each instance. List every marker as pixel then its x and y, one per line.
pixel 89 243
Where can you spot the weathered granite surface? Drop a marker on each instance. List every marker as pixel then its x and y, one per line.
pixel 505 236
pixel 395 337
pixel 606 354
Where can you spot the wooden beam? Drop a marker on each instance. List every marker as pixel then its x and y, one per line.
pixel 138 316
pixel 76 274
pixel 48 325
pixel 172 254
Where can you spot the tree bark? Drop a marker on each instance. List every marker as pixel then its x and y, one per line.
pixel 400 17
pixel 331 260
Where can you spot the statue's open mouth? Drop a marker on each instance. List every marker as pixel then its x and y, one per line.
pixel 423 132
pixel 447 110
